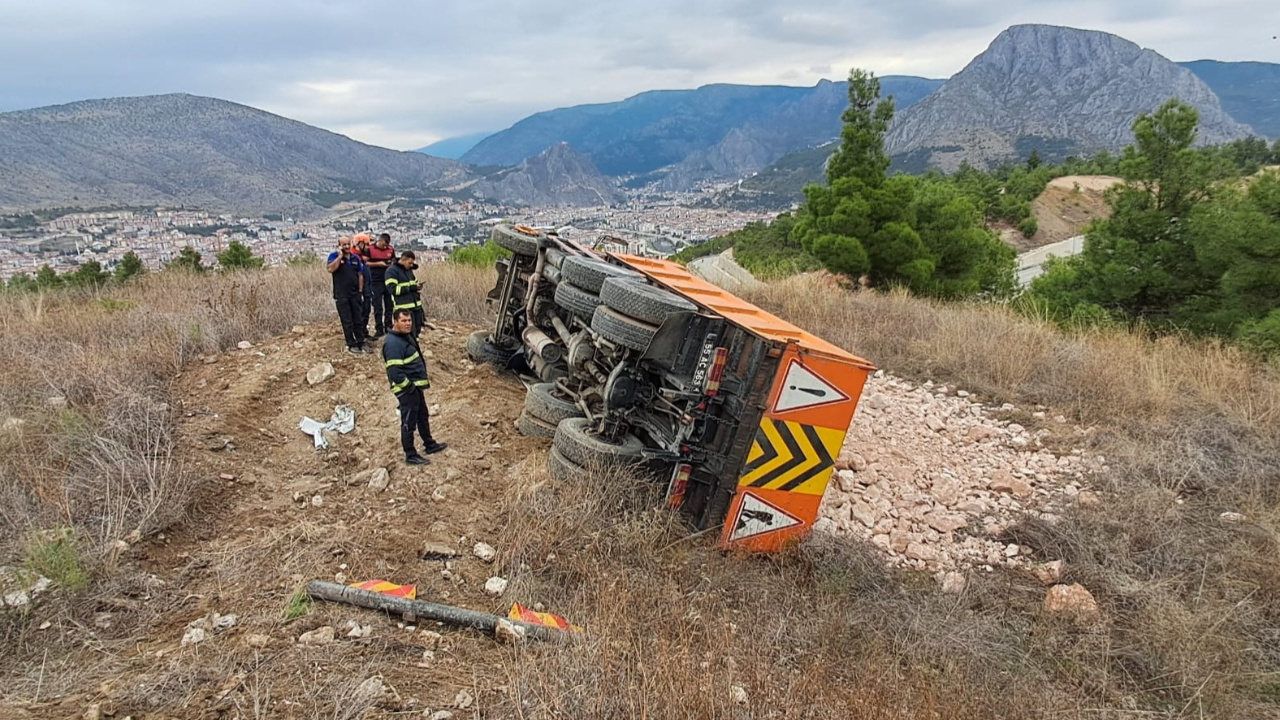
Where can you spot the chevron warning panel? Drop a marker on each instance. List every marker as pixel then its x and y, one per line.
pixel 790 456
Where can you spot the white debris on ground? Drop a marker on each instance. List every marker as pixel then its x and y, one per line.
pixel 929 477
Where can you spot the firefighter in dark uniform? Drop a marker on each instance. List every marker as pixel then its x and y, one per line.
pixel 346 268
pixel 407 373
pixel 404 290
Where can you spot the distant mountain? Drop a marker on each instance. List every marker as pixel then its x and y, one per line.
pixel 193 151
pixel 454 147
pixel 557 176
pixel 1249 91
pixel 1057 90
pixel 681 137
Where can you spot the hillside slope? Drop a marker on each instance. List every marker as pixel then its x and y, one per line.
pixel 190 150
pixel 1249 91
pixel 685 136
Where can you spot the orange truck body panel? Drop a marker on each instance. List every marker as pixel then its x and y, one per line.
pixel 806 416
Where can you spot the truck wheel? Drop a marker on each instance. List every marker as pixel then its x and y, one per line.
pixel 623 330
pixel 517 242
pixel 589 273
pixel 544 403
pixel 579 447
pixel 530 426
pixel 642 300
pixel 576 300
pixel 481 350
pixel 565 470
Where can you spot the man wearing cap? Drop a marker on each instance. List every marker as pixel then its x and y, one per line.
pixel 407 374
pixel 402 287
pixel 344 267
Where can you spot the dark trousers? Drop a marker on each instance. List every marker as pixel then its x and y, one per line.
pixel 414 417
pixel 366 306
pixel 419 319
pixel 381 306
pixel 349 309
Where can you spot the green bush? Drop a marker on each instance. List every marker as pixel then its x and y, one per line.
pixel 481 256
pixel 1028 227
pixel 54 554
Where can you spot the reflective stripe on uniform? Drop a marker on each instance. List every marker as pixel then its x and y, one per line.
pixel 406 306
pixel 422 383
pixel 400 386
pixel 406 361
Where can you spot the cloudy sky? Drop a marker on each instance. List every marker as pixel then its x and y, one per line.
pixel 404 73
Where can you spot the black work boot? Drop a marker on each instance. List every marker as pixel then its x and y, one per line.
pixel 434 447
pixel 416 460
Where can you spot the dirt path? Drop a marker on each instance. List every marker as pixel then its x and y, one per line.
pixel 277 513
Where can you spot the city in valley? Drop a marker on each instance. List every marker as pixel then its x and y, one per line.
pixel 64 239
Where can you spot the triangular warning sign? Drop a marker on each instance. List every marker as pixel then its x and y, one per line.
pixel 757 517
pixel 803 388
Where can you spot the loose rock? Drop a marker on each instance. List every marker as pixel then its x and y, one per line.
pixel 507 631
pixel 319 636
pixel 485 552
pixel 319 373
pixel 1048 573
pixel 495 586
pixel 1072 600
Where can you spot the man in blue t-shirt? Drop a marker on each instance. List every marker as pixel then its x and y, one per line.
pixel 347 270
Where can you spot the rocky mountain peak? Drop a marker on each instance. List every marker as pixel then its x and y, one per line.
pixel 1056 90
pixel 558 175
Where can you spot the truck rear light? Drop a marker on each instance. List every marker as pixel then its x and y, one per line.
pixel 679 483
pixel 717 372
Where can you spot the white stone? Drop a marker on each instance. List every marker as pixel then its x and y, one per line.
pixel 320 636
pixel 463 700
pixel 953 583
pixel 244 345
pixel 485 552
pixel 508 632
pixel 319 373
pixel 194 635
pixel 863 513
pixel 738 695
pixel 495 586
pixel 1231 518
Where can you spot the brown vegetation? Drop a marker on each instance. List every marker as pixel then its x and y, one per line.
pixel 1190 606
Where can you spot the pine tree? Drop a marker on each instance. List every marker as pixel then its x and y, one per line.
pixel 188 260
pixel 238 256
pixel 130 266
pixel 47 278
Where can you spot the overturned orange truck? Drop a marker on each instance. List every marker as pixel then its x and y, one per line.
pixel 631 361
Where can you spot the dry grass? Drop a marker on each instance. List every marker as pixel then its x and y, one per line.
pixel 1192 606
pixel 1191 429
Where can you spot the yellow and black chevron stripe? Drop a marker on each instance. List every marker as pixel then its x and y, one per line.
pixel 790 456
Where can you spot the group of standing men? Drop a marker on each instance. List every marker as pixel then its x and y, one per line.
pixel 368 278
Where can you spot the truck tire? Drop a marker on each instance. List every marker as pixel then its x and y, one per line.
pixel 589 273
pixel 643 301
pixel 576 300
pixel 544 403
pixel 530 426
pixel 481 350
pixel 577 446
pixel 517 242
pixel 565 470
pixel 623 330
